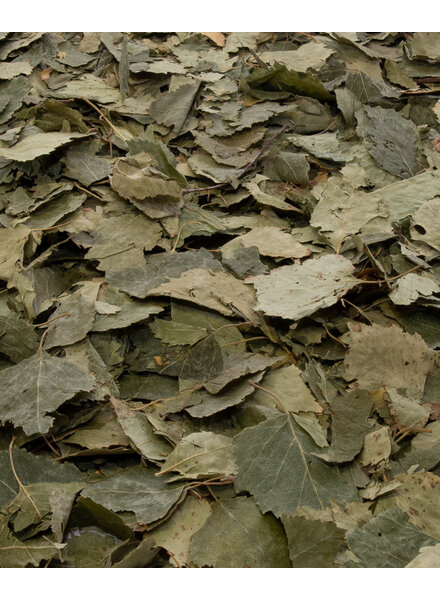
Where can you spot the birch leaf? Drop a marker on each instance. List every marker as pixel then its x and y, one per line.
pixel 237 535
pixel 277 464
pixel 296 291
pixel 136 489
pixel 38 144
pixel 36 387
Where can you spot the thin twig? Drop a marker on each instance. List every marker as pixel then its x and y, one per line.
pixel 14 472
pixel 246 168
pixel 109 123
pixel 244 341
pixel 173 249
pixel 391 278
pixel 83 189
pixel 53 319
pixel 50 228
pixel 360 311
pixel 274 396
pixel 333 336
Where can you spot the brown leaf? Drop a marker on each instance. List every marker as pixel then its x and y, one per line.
pixel 217 38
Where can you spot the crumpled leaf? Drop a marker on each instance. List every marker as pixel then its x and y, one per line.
pixel 293 292
pixel 142 435
pixel 426 223
pixel 174 107
pixel 412 287
pixel 271 241
pixel 18 340
pixel 203 454
pixel 31 468
pixel 370 362
pixel 43 383
pixel 392 141
pixel 417 497
pixel 90 87
pixel 349 415
pixel 16 553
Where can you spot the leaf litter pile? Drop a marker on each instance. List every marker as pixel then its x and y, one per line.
pixel 219 304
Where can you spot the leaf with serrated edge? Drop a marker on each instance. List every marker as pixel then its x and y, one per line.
pixel 276 463
pixel 37 386
pixel 296 291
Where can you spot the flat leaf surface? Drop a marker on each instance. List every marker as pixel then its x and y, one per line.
pixel 243 538
pixel 312 544
pixel 276 465
pixel 37 145
pixel 43 383
pixel 138 490
pixel 388 540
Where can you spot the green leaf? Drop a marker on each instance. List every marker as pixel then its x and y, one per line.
pixel 83 165
pixel 174 107
pixel 42 383
pixel 349 415
pixel 388 540
pixel 215 290
pixel 117 235
pixel 142 435
pixel 38 144
pixel 138 490
pixel 368 89
pixel 90 87
pixel 277 464
pixel 18 340
pixel 289 388
pixel 175 534
pixel 12 244
pixel 16 553
pixel 270 241
pixel 238 365
pixel 203 404
pixel 412 287
pixel 158 269
pixel 203 360
pixel 155 195
pixel 203 454
pixel 75 317
pixel 131 312
pixel 9 70
pixel 177 334
pixel 31 468
pixel 424 449
pixel 312 543
pixel 428 557
pixel 237 535
pixel 392 141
